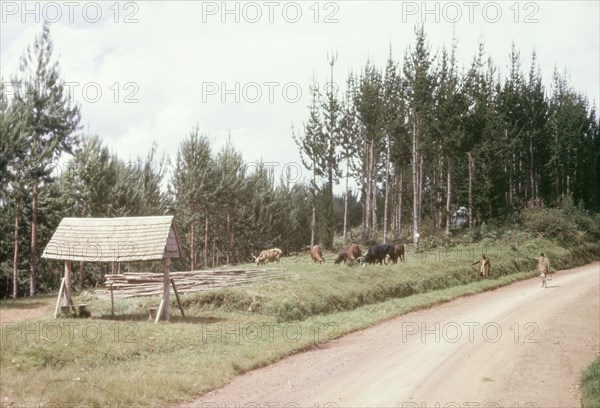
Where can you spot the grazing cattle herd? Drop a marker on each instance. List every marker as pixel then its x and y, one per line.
pixel 375 254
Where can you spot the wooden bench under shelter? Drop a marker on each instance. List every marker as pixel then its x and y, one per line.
pixel 115 240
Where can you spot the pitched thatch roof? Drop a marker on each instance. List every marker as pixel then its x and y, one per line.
pixel 124 239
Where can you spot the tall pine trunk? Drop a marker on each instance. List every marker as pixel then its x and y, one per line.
pixel 346 200
pixel 206 238
pixel 400 184
pixel 313 225
pixel 470 199
pixel 438 180
pixel 229 234
pixel 448 198
pixel 385 205
pixel 531 170
pixel 34 210
pixel 420 181
pixel 329 221
pixel 16 252
pixel 313 222
pixel 368 195
pixel 415 181
pixel 522 191
pixel 373 189
pixel 192 248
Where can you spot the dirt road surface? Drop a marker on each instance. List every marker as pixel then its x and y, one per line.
pixel 25 312
pixel 517 346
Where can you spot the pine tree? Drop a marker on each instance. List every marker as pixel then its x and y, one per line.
pixel 328 163
pixel 478 95
pixel 193 189
pixel 349 133
pixel 151 172
pixel 369 107
pixel 49 120
pixel 571 130
pixel 230 180
pixel 447 123
pixel 394 126
pixel 312 149
pixel 13 158
pixel 420 85
pixel 536 107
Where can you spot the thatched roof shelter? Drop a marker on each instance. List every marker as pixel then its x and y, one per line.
pixel 124 239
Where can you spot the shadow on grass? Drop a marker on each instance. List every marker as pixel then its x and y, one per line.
pixel 137 317
pixel 20 305
pixel 196 319
pixel 123 317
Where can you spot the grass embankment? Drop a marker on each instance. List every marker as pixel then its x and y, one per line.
pixel 125 360
pixel 590 385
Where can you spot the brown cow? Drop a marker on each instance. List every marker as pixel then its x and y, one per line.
pixel 268 255
pixel 400 251
pixel 350 253
pixel 316 254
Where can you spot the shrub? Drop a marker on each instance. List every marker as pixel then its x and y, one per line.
pixel 550 223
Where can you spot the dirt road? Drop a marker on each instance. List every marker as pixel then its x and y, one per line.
pixel 518 346
pixel 26 311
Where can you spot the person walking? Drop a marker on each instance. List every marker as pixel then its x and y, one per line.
pixel 543 268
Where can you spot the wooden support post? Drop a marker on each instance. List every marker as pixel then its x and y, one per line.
pixel 68 273
pixel 60 291
pixel 112 301
pixel 167 289
pixel 159 311
pixel 177 297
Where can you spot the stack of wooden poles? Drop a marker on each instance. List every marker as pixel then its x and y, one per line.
pixel 151 284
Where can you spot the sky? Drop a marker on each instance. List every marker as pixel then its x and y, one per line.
pixel 152 71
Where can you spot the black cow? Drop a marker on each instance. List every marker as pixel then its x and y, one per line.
pixel 377 253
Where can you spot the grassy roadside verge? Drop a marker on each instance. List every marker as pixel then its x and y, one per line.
pixel 590 385
pixel 131 362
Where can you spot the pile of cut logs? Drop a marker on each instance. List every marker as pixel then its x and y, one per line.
pixel 151 284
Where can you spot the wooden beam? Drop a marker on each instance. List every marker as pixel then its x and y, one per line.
pixel 167 289
pixel 177 297
pixel 68 286
pixel 60 291
pixel 112 301
pixel 159 311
